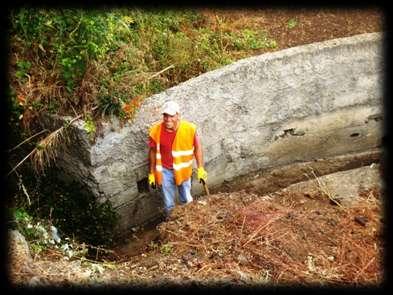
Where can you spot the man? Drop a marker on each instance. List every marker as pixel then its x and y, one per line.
pixel 173 143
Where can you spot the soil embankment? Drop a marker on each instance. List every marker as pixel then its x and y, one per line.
pixel 325 230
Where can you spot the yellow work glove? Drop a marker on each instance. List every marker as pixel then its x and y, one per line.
pixel 152 180
pixel 202 174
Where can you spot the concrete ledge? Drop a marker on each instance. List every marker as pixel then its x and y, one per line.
pixel 313 101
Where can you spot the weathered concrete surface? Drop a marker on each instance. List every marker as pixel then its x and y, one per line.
pixel 275 178
pixel 313 101
pixel 344 186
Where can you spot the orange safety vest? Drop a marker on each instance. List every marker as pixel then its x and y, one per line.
pixel 182 151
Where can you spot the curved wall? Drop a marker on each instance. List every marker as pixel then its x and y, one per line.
pixel 295 105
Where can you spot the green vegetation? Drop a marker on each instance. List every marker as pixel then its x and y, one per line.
pixel 166 249
pixel 99 63
pixel 37 201
pixel 292 23
pixel 90 127
pixel 67 59
pixel 22 69
pixel 75 211
pixel 36 232
pixel 68 207
pixel 42 236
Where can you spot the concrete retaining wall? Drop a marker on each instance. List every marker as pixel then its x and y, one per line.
pixel 294 105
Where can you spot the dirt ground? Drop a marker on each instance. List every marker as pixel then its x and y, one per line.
pixel 326 231
pixel 294 27
pixel 246 238
pixel 312 232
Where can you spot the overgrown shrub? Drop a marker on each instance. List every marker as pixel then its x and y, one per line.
pixel 69 37
pixel 105 57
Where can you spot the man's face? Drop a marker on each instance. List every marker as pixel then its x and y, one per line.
pixel 170 121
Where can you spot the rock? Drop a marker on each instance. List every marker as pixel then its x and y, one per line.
pixel 20 261
pixel 243 276
pixel 149 262
pixel 36 282
pixel 242 259
pixel 362 220
pixel 19 251
pixel 344 186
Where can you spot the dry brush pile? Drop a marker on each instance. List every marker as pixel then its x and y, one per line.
pixel 244 239
pixel 288 238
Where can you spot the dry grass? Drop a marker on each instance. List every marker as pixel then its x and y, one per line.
pixel 45 151
pixel 292 246
pixel 48 148
pixel 323 188
pixel 246 240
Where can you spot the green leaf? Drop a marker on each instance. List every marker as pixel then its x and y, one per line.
pixel 292 23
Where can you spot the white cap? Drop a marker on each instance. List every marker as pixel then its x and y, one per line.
pixel 170 108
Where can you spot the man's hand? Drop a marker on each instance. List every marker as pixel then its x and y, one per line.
pixel 152 180
pixel 202 174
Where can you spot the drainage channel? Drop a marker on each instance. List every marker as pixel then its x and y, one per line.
pixel 262 183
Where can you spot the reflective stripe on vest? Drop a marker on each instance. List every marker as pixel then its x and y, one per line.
pixel 183 153
pixel 182 165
